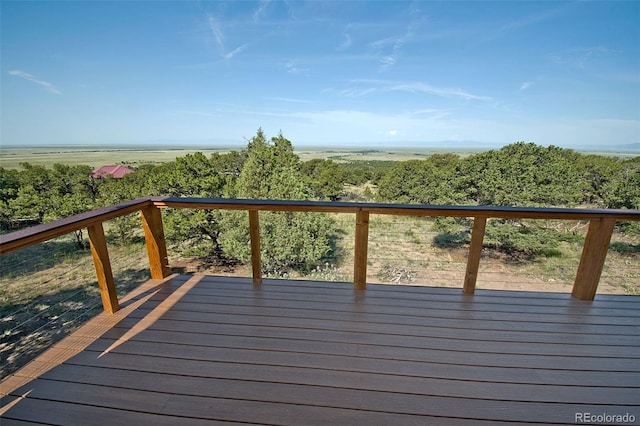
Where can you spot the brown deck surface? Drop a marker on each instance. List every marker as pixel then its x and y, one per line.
pixel 208 350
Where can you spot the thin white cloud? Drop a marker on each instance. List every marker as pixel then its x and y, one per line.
pixel 291 100
pixel 346 42
pixel 292 68
pixel 525 85
pixel 390 48
pixel 235 51
pixel 617 122
pixel 430 114
pixel 219 39
pixel 216 31
pixel 388 61
pixel 261 10
pixel 580 57
pixel 356 92
pixel 412 87
pixel 392 132
pixel 529 20
pixel 446 92
pixel 192 112
pixel 45 84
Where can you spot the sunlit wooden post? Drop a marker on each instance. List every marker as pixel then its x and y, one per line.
pixel 594 252
pixel 254 231
pixel 360 251
pixel 104 274
pixel 156 244
pixel 475 251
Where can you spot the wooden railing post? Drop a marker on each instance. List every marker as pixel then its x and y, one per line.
pixel 254 231
pixel 360 251
pixel 475 251
pixel 594 252
pixel 156 244
pixel 104 274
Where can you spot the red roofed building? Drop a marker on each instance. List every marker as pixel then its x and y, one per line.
pixel 113 171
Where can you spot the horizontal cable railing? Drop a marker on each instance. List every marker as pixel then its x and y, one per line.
pixel 544 257
pixel 365 233
pixel 49 289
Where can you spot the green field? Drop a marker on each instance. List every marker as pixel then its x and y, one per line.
pixel 10 158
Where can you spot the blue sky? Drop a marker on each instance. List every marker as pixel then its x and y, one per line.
pixel 324 72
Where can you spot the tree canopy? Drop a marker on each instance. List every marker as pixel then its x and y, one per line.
pixel 520 174
pixel 288 240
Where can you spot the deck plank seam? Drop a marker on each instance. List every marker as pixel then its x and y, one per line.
pixel 422 377
pixel 472 324
pixel 331 406
pixel 394 334
pixel 382 358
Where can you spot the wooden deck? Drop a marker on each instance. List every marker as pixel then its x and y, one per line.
pixel 208 350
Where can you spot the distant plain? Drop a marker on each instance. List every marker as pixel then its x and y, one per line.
pixel 12 157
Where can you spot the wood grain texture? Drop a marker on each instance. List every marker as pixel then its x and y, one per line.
pixel 475 252
pixel 222 350
pixel 594 253
pixel 361 248
pixel 27 237
pixel 396 209
pixel 102 263
pixel 254 232
pixel 156 244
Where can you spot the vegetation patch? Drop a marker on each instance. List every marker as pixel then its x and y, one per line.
pixel 49 289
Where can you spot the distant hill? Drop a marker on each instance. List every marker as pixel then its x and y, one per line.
pixel 631 148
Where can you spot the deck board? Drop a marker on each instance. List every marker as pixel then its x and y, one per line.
pixel 200 349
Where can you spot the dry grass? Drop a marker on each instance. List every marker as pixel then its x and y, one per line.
pixel 48 290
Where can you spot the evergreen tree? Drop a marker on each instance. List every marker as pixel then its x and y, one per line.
pixel 288 240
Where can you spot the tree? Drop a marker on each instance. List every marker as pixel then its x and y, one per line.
pixel 431 181
pixel 624 192
pixel 197 176
pixel 9 187
pixel 33 200
pixel 599 175
pixel 326 178
pixel 288 240
pixel 522 174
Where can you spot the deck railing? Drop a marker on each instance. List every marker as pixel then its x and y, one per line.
pixel 596 245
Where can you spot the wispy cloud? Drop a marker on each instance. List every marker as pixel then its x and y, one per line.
pixel 235 51
pixel 356 92
pixel 580 57
pixel 373 85
pixel 429 114
pixel 261 10
pixel 45 84
pixel 290 100
pixel 216 31
pixel 446 92
pixel 390 48
pixel 192 112
pixel 525 85
pixel 347 41
pixel 293 68
pixel 528 20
